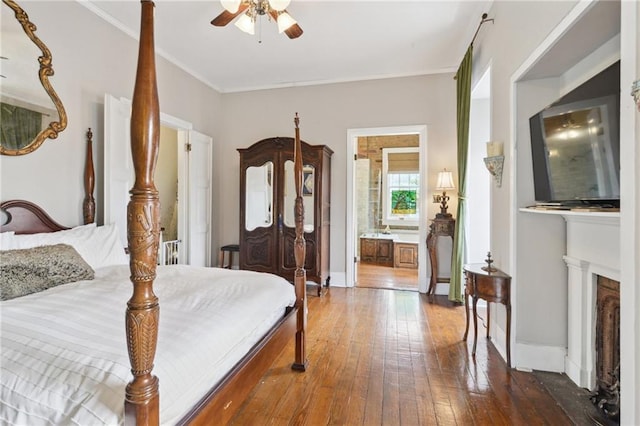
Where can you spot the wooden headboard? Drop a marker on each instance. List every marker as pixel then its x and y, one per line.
pixel 25 217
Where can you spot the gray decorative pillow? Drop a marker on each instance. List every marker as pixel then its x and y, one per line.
pixel 32 270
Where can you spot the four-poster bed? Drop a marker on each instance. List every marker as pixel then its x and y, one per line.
pixel 177 288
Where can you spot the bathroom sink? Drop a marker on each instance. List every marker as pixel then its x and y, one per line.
pixel 379 235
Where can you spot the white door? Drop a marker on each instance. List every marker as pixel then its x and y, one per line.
pixel 118 165
pixel 198 196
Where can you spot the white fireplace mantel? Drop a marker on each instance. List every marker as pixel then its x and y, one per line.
pixel 593 248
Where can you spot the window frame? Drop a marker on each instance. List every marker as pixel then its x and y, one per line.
pixel 386 216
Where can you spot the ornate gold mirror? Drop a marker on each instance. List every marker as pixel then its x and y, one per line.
pixel 31 111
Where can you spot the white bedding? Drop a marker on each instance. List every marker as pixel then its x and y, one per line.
pixel 64 357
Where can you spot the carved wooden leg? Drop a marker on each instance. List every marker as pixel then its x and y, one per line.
pixel 466 310
pixel 300 284
pixel 488 319
pixel 475 325
pixel 143 311
pixel 300 363
pixel 433 260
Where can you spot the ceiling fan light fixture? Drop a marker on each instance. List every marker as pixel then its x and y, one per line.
pixel 285 21
pixel 231 6
pixel 247 12
pixel 279 5
pixel 246 24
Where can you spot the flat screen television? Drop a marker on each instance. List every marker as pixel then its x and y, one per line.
pixel 575 145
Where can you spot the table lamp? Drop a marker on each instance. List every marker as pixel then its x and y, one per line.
pixel 444 184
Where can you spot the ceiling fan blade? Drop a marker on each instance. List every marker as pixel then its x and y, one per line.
pixel 225 17
pixel 293 31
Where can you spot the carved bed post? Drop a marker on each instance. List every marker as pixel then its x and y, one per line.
pixel 300 277
pixel 143 217
pixel 89 204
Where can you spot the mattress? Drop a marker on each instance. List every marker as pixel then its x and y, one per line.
pixel 64 357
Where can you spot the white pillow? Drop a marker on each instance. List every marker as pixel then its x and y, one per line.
pixel 6 240
pixel 104 248
pixel 68 236
pixel 99 246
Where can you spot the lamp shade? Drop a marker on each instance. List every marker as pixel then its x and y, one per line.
pixel 445 181
pixel 285 21
pixel 246 24
pixel 231 6
pixel 279 5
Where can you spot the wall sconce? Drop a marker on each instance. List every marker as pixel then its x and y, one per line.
pixel 495 160
pixel 444 184
pixel 635 92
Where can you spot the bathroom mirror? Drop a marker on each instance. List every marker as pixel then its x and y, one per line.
pixel 259 196
pixel 31 110
pixel 308 179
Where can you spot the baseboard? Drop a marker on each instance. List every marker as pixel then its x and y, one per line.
pixel 529 356
pixel 498 337
pixel 442 289
pixel 578 375
pixel 338 279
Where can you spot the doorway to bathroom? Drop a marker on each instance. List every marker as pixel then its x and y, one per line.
pixel 385 238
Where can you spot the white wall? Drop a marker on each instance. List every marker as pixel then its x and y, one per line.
pixel 326 112
pixel 91 58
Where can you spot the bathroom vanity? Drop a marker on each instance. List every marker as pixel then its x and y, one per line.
pixel 393 250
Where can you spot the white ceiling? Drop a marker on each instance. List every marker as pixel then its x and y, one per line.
pixel 342 40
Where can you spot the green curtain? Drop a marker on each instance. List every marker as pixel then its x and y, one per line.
pixel 18 126
pixel 463 83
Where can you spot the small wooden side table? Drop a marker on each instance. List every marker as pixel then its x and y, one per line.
pixel 494 286
pixel 444 225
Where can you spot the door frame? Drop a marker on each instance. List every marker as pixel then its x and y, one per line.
pixel 182 128
pixel 351 237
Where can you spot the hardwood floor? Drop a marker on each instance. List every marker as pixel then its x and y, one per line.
pixel 381 357
pixel 375 276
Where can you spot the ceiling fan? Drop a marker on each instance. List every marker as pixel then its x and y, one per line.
pixel 250 10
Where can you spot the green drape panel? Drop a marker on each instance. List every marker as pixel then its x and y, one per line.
pixel 463 80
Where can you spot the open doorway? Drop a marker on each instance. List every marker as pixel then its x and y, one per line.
pixel 188 171
pixel 386 237
pixel 171 251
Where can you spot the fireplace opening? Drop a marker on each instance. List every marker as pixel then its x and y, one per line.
pixel 607 393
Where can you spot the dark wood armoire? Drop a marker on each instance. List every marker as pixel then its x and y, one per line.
pixel 267 196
